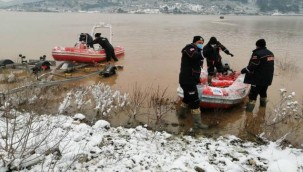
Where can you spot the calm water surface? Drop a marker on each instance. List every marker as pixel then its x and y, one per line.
pixel 153 43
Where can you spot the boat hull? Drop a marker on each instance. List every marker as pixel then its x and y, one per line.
pixel 221 97
pixel 83 55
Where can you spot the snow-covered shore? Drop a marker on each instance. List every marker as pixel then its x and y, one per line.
pixel 43 142
pixel 103 148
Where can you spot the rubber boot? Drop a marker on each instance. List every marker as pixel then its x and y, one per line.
pixel 209 78
pixel 250 105
pixel 181 111
pixel 263 101
pixel 196 113
pixel 115 58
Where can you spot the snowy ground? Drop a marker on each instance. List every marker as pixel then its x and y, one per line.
pixel 30 142
pixel 80 147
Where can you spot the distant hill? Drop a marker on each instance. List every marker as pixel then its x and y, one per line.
pixel 248 7
pixel 13 3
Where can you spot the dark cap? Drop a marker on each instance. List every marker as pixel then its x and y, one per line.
pixel 261 43
pixel 213 40
pixel 97 34
pixel 197 38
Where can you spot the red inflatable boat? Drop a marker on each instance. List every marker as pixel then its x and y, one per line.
pixel 83 54
pixel 225 90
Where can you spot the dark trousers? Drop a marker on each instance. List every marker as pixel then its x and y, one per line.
pixel 110 53
pixel 211 64
pixel 256 90
pixel 190 95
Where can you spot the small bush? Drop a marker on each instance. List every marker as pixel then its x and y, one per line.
pixel 285 120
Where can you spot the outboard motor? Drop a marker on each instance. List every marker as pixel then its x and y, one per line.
pixel 108 71
pixel 85 38
pixel 82 37
pixel 226 67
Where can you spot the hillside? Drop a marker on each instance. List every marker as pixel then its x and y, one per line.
pixel 247 7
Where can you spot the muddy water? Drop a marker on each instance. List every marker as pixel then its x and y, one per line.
pixel 152 52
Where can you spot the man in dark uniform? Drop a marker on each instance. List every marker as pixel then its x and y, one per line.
pixel 211 52
pixel 259 73
pixel 104 43
pixel 189 77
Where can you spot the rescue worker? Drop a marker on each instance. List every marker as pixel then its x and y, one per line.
pixel 259 73
pixel 211 52
pixel 189 77
pixel 104 43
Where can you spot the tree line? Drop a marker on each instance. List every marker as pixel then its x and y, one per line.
pixel 280 5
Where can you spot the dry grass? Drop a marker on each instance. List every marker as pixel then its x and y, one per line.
pixel 286 65
pixel 285 120
pixel 137 101
pixel 150 104
pixel 23 135
pixel 160 103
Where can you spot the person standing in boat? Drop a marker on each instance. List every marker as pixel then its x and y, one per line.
pixel 105 44
pixel 211 52
pixel 189 77
pixel 259 73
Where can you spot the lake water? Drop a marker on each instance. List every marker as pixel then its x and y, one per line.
pixel 153 43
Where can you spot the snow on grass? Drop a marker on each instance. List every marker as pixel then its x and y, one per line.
pixel 104 148
pixel 30 142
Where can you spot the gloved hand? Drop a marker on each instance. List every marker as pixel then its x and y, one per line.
pixel 227 52
pixel 244 70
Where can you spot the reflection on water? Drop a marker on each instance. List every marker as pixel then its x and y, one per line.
pixel 152 52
